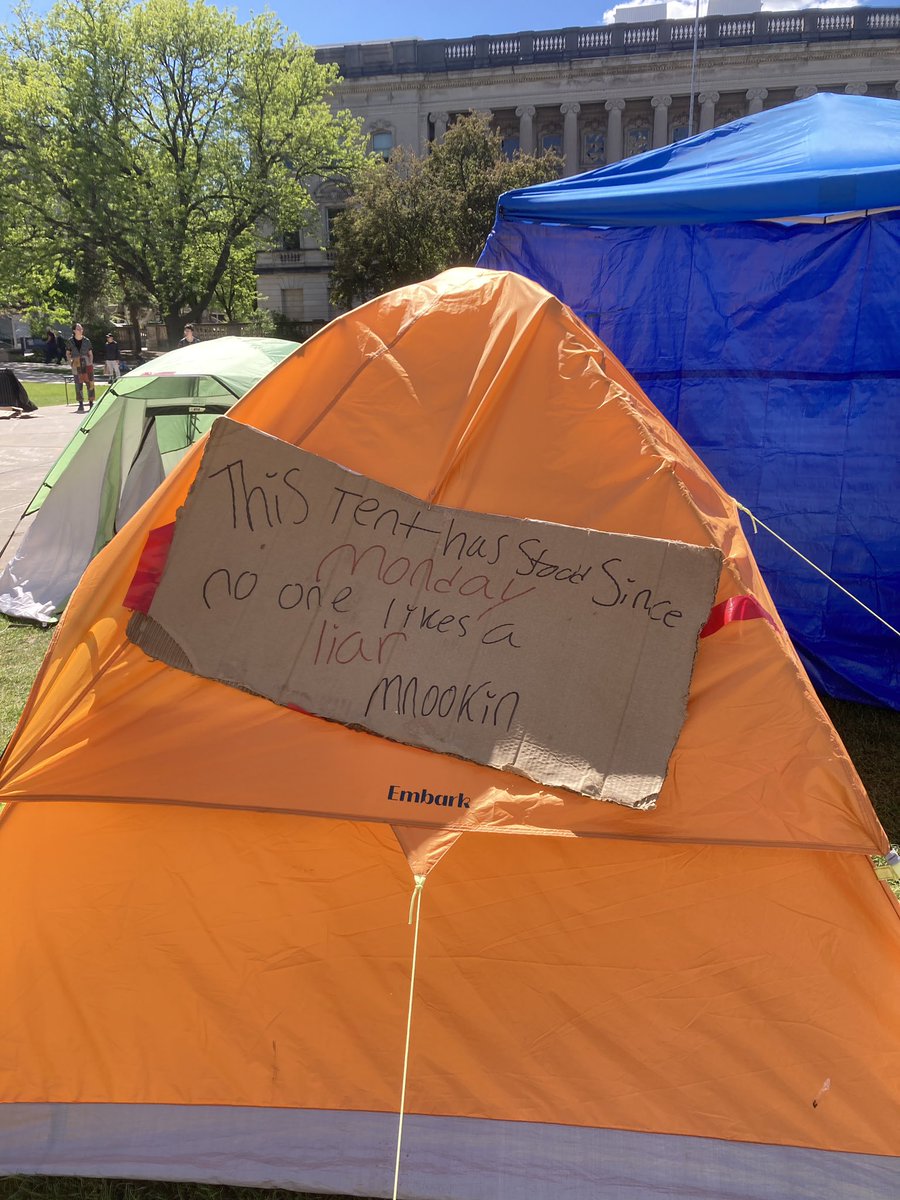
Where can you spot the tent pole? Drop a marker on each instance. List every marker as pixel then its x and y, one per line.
pixel 693 69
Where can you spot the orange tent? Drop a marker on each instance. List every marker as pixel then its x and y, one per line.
pixel 210 981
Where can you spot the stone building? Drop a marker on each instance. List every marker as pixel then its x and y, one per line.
pixel 595 94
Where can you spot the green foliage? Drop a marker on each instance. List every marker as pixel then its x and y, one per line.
pixel 260 323
pixel 411 217
pixel 293 330
pixel 145 142
pixel 235 292
pixel 35 276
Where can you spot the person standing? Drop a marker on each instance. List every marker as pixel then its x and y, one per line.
pixel 80 354
pixel 113 357
pixel 189 337
pixel 50 350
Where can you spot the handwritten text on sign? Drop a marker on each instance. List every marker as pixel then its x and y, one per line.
pixel 562 654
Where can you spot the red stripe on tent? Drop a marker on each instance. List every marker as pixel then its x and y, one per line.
pixel 156 550
pixel 735 608
pixel 149 569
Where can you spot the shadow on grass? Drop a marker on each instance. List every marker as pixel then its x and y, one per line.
pixel 872 738
pixel 39 1187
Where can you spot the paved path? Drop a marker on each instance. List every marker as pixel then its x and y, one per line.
pixel 39 373
pixel 29 446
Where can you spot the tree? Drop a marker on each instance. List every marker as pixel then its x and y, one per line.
pixel 150 140
pixel 410 217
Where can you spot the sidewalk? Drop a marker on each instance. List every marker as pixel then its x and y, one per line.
pixel 29 446
pixel 39 372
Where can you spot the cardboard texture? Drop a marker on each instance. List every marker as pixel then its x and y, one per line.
pixel 562 654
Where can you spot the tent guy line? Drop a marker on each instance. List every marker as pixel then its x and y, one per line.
pixel 757 522
pixel 415 906
pixel 769 343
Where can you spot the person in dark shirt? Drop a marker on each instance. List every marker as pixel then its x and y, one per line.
pixel 189 337
pixel 50 350
pixel 113 357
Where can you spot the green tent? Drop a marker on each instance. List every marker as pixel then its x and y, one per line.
pixel 119 455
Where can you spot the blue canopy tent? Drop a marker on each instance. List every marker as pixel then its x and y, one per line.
pixel 748 280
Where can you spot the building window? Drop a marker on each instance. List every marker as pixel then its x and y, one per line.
pixel 593 148
pixel 383 143
pixel 331 214
pixel 637 140
pixel 678 128
pixel 550 142
pixel 510 145
pixel 291 240
pixel 292 303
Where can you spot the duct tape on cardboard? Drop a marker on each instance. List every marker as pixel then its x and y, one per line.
pixel 562 654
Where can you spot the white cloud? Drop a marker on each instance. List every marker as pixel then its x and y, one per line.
pixel 789 5
pixel 683 10
pixel 794 5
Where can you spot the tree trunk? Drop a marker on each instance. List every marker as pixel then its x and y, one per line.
pixel 175 323
pixel 134 315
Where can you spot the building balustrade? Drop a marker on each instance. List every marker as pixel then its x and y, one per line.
pixel 737 27
pixel 595 94
pixel 644 37
pixel 591 40
pixel 567 45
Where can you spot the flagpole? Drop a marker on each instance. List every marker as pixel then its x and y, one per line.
pixel 693 69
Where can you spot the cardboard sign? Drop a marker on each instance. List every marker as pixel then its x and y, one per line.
pixel 562 654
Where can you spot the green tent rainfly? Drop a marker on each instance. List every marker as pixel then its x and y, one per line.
pixel 119 455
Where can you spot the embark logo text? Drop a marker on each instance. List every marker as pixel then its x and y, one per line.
pixel 454 800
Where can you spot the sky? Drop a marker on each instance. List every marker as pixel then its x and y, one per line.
pixel 337 21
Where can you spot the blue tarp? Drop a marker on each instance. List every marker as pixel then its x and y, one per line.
pixel 774 349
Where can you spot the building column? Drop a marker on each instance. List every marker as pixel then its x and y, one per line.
pixel 708 102
pixel 525 113
pixel 805 91
pixel 755 98
pixel 856 89
pixel 615 108
pixel 439 120
pixel 660 106
pixel 570 111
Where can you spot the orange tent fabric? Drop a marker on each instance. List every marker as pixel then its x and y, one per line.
pixel 210 980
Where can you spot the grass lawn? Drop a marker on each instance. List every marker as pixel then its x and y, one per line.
pixel 46 394
pixel 871 735
pixel 21 649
